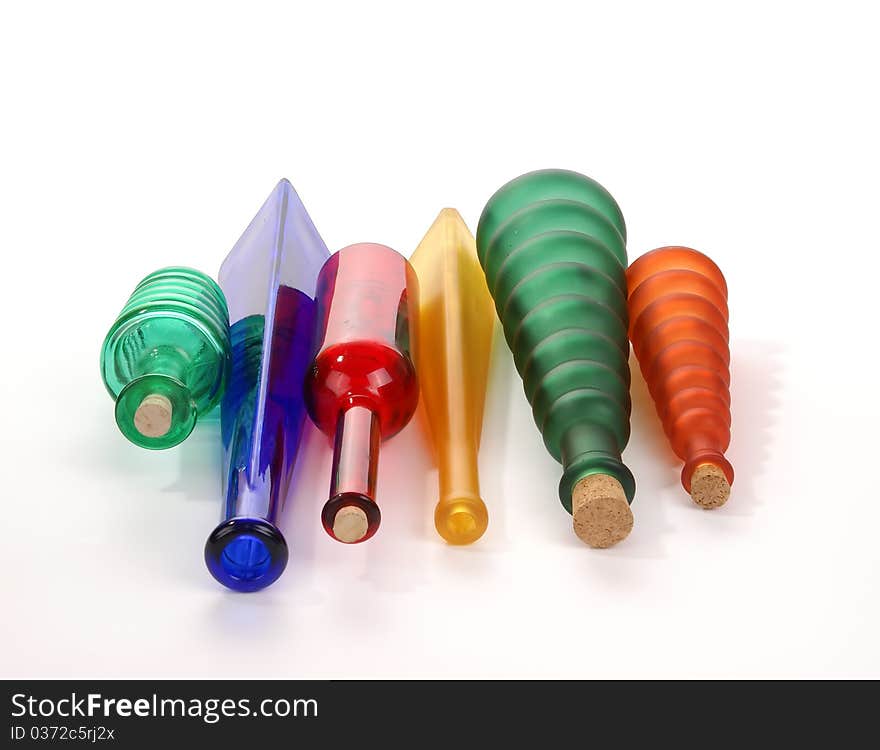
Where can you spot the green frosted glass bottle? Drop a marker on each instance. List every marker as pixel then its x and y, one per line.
pixel 164 359
pixel 553 246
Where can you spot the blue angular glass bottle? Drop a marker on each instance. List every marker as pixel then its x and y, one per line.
pixel 269 281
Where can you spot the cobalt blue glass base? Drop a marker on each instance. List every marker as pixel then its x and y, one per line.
pixel 246 554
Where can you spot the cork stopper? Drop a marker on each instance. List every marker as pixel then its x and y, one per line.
pixel 153 417
pixel 350 524
pixel 709 487
pixel 601 514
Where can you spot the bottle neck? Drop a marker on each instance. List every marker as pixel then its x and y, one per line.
pixel 587 438
pixel 589 448
pixel 458 472
pixel 166 360
pixel 351 514
pixel 356 453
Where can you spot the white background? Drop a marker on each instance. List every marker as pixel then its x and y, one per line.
pixel 136 136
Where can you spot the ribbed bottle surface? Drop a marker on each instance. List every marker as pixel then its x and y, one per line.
pixel 243 380
pixel 164 358
pixel 679 331
pixel 552 244
pixel 185 292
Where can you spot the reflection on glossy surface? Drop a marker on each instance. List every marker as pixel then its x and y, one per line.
pixel 362 386
pixel 269 280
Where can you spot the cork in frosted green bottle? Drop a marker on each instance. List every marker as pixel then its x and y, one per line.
pixel 553 246
pixel 164 359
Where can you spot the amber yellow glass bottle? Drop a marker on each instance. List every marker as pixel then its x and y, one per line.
pixel 456 316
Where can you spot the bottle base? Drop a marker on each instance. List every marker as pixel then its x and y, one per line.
pixel 461 520
pixel 246 554
pixel 350 517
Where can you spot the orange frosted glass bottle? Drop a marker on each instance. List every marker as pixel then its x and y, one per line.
pixel 456 317
pixel 678 327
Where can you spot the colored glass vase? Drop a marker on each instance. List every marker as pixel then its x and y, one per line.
pixel 455 330
pixel 362 386
pixel 164 359
pixel 553 247
pixel 269 279
pixel 679 331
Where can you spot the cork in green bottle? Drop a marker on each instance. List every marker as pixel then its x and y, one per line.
pixel 164 359
pixel 552 244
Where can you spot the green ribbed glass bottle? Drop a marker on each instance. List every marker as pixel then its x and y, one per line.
pixel 164 359
pixel 553 246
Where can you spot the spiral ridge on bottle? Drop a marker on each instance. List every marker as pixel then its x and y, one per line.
pixel 553 247
pixel 164 358
pixel 183 292
pixel 679 332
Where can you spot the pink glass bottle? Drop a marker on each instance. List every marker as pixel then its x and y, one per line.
pixel 361 388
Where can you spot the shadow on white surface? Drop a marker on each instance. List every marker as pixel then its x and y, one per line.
pixel 232 616
pixel 391 564
pixel 755 399
pixel 301 518
pixel 656 470
pixel 756 391
pixel 496 421
pixel 138 501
